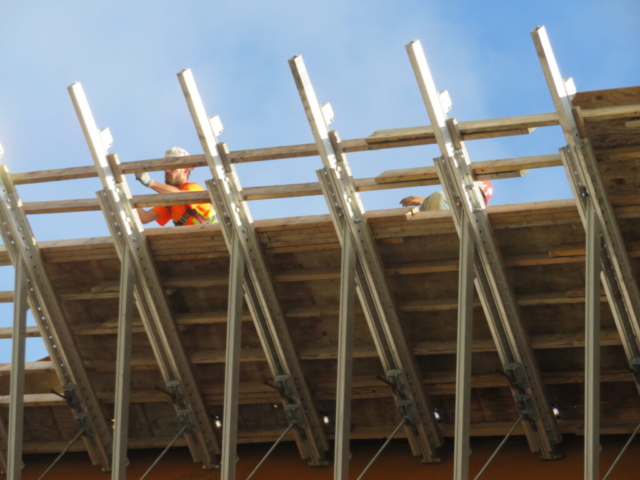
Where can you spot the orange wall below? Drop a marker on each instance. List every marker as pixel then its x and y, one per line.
pixel 513 462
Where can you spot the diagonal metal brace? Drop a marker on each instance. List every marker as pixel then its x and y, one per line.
pixel 21 245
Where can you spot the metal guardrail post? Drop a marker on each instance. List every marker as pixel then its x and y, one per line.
pixel 235 218
pixel 347 213
pixel 494 289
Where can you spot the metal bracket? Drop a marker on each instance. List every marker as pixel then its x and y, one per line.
pixel 516 375
pixel 128 235
pixel 239 232
pixel 82 420
pixel 527 407
pixel 492 284
pixel 347 213
pixel 22 247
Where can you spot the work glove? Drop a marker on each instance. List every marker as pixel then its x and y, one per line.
pixel 144 178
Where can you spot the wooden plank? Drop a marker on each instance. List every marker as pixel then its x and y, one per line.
pixel 485 168
pixel 391 179
pixel 609 337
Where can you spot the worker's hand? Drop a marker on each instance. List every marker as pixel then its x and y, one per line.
pixel 144 178
pixel 412 201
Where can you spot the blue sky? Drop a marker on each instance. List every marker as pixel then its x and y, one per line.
pixel 126 55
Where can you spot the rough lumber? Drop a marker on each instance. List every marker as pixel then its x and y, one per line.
pixel 609 337
pixel 411 177
pixel 392 138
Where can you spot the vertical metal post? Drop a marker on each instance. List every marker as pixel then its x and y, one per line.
pixel 16 399
pixel 493 284
pixel 592 348
pixel 347 212
pixel 463 362
pixel 232 365
pixel 624 449
pixel 345 358
pixel 123 369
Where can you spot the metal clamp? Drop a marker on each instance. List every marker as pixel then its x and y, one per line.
pixel 81 419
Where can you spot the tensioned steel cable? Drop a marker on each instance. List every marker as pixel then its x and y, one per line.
pixel 404 420
pixel 504 440
pixel 75 439
pixel 184 429
pixel 624 449
pixel 291 425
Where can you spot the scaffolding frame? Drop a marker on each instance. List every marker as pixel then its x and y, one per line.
pixel 128 235
pixel 604 240
pixel 361 271
pixel 239 231
pixel 24 253
pixel 492 284
pixel 347 213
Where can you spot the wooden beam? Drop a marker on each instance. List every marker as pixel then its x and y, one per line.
pixel 410 177
pixel 247 436
pixel 414 223
pixel 363 387
pixel 391 138
pixel 609 337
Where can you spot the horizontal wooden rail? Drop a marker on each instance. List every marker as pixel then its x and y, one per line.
pixel 410 177
pixel 252 393
pixel 381 139
pixel 609 337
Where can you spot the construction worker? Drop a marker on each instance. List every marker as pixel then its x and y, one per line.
pixel 437 200
pixel 176 180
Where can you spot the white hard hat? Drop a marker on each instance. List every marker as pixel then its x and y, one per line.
pixel 176 152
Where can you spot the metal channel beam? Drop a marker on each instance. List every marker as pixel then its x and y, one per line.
pixel 4 441
pixel 232 363
pixel 345 358
pixel 226 195
pixel 588 188
pixel 123 369
pixel 347 213
pixel 128 234
pixel 493 287
pixel 22 247
pixel 462 449
pixel 16 392
pixel 592 349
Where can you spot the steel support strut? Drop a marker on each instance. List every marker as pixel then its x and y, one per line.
pixel 16 392
pixel 4 442
pixel 22 247
pixel 581 166
pixel 123 368
pixel 232 363
pixel 592 349
pixel 494 289
pixel 345 358
pixel 226 195
pixel 462 450
pixel 128 234
pixel 347 214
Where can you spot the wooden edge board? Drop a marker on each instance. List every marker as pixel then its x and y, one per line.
pixel 609 337
pixel 392 138
pixel 510 167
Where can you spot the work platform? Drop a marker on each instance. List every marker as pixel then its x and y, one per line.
pixel 542 246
